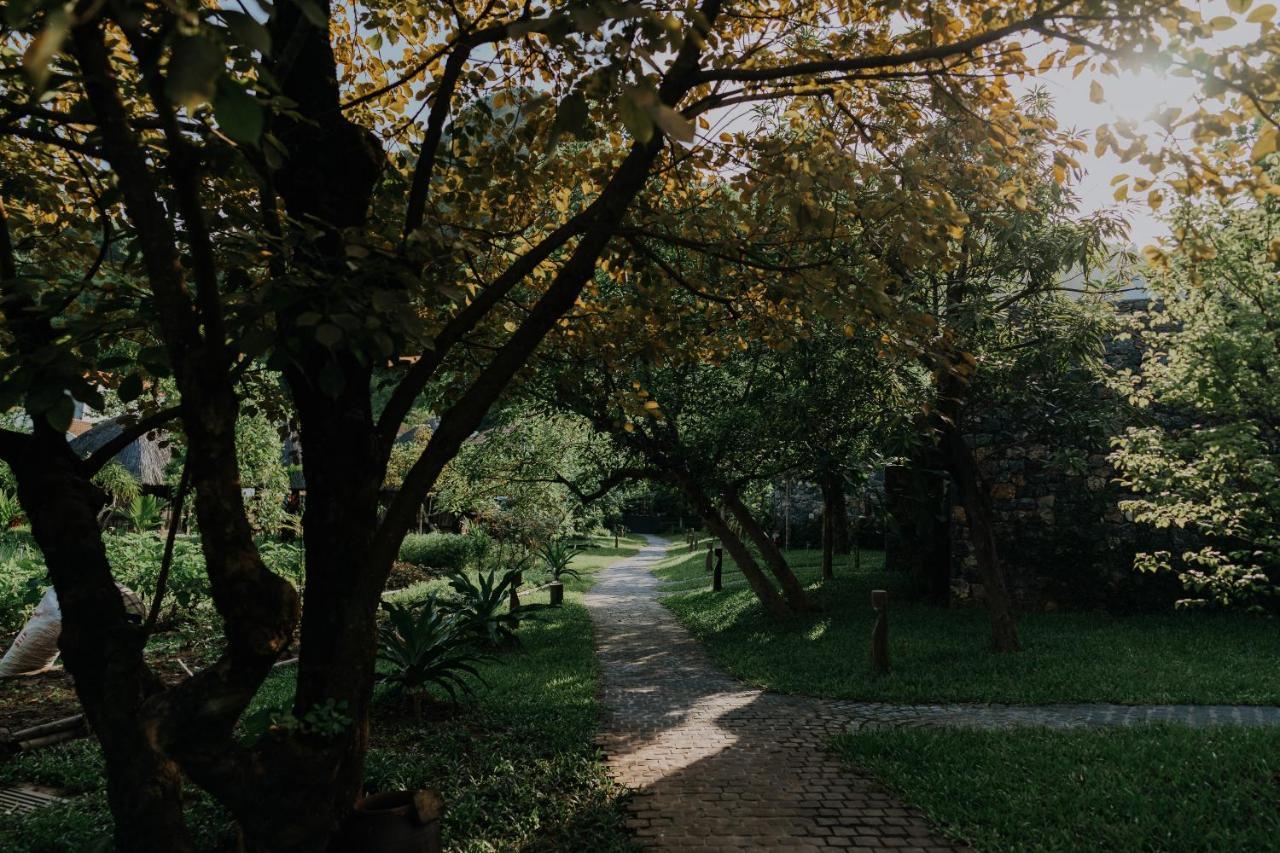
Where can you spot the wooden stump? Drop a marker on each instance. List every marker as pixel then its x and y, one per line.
pixel 557 593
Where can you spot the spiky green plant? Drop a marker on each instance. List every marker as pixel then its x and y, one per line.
pixel 422 645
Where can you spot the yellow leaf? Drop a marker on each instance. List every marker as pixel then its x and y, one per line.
pixel 1239 6
pixel 1095 92
pixel 1122 193
pixel 1262 14
pixel 1222 22
pixel 1265 145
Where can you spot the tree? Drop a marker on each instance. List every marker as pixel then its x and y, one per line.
pixel 227 191
pixel 1207 458
pixel 1001 292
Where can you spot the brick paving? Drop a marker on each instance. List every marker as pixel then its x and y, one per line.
pixel 718 766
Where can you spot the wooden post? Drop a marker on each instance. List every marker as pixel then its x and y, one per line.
pixel 880 633
pixel 716 581
pixel 557 593
pixel 515 595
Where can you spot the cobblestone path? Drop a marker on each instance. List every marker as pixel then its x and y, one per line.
pixel 720 766
pixel 716 765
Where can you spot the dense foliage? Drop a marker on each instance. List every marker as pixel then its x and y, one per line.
pixel 1206 459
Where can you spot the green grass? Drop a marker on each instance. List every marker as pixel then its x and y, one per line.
pixel 516 763
pixel 941 655
pixel 1142 789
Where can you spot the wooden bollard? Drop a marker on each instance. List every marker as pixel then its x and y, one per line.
pixel 716 584
pixel 515 595
pixel 880 633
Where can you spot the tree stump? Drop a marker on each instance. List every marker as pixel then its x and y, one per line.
pixel 557 593
pixel 880 633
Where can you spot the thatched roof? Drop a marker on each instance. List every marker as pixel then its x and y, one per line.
pixel 146 459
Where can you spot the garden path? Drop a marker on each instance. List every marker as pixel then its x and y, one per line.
pixel 717 765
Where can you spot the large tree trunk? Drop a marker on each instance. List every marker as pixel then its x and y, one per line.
pixel 100 647
pixel 791 586
pixel 718 528
pixel 318 780
pixel 976 502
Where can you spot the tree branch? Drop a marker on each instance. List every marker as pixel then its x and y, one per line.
pixel 128 435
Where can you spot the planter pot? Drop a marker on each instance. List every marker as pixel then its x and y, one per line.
pixel 557 593
pixel 394 822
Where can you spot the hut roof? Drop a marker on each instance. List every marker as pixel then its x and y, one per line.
pixel 146 458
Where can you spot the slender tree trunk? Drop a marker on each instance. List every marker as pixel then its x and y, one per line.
pixel 792 589
pixel 100 647
pixel 828 545
pixel 719 529
pixel 835 507
pixel 976 502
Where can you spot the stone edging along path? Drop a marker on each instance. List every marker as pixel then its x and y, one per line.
pixel 717 765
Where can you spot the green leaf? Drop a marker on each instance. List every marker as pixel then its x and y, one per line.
pixel 572 117
pixel 635 117
pixel 328 334
pixel 674 124
pixel 45 46
pixel 238 113
pixel 247 31
pixel 194 69
pixel 60 413
pixel 130 389
pixel 313 13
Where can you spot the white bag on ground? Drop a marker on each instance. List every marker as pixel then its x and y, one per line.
pixel 36 647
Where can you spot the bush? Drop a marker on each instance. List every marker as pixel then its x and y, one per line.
pixel 482 606
pixel 422 645
pixel 449 551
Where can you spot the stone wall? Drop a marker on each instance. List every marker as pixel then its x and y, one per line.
pixel 1060 533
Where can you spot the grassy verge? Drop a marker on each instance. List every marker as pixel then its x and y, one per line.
pixel 515 762
pixel 1148 788
pixel 941 655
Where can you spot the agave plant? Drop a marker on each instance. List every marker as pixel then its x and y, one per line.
pixel 424 645
pixel 482 607
pixel 557 555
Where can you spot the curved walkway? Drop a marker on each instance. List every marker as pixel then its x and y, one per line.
pixel 717 765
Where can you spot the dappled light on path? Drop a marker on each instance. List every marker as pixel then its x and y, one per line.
pixel 717 765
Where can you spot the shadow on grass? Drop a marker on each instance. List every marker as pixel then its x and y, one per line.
pixel 942 654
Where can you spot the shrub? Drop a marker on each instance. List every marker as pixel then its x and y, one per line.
pixel 144 512
pixel 423 645
pixel 557 555
pixel 449 551
pixel 481 606
pixel 22 580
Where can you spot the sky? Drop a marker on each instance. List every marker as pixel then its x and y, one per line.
pixel 1132 96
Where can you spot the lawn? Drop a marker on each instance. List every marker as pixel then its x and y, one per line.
pixel 515 762
pixel 1142 789
pixel 941 655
